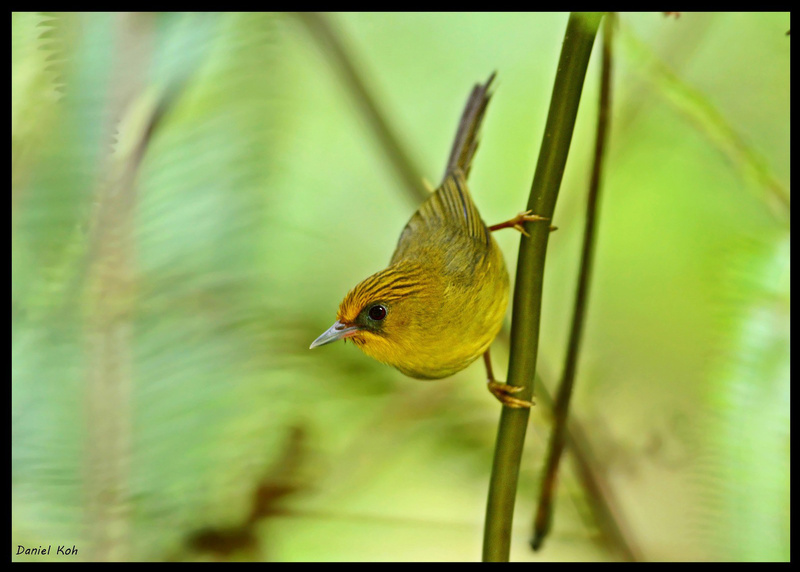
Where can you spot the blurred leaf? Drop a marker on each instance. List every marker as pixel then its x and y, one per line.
pixel 745 471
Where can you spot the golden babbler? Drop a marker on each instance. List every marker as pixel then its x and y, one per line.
pixel 441 301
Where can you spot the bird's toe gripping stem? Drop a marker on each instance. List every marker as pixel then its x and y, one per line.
pixel 517 221
pixel 504 394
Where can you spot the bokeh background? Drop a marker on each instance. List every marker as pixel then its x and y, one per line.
pixel 165 405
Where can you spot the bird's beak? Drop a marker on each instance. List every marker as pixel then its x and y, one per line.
pixel 338 331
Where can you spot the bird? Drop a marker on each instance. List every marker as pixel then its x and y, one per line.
pixel 439 304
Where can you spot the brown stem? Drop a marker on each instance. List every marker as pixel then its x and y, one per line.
pixel 558 439
pixel 334 49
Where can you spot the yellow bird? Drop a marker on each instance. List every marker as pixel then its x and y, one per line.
pixel 440 303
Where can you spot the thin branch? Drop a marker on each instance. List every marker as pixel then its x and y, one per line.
pixel 701 112
pixel 544 514
pixel 332 46
pixel 575 54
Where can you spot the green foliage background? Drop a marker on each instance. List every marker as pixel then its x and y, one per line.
pixel 263 197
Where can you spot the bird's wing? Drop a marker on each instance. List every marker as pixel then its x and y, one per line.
pixel 448 215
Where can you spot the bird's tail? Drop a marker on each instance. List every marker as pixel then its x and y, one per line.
pixel 466 141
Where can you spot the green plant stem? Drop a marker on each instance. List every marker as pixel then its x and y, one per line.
pixel 544 514
pixel 332 46
pixel 575 54
pixel 701 112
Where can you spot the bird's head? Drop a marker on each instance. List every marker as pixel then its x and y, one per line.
pixel 381 314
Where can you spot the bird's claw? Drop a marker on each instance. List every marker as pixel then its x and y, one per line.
pixel 528 217
pixel 517 221
pixel 503 392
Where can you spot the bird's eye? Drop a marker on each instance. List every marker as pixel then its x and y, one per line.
pixel 377 313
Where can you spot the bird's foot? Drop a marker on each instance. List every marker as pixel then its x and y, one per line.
pixel 517 221
pixel 503 392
